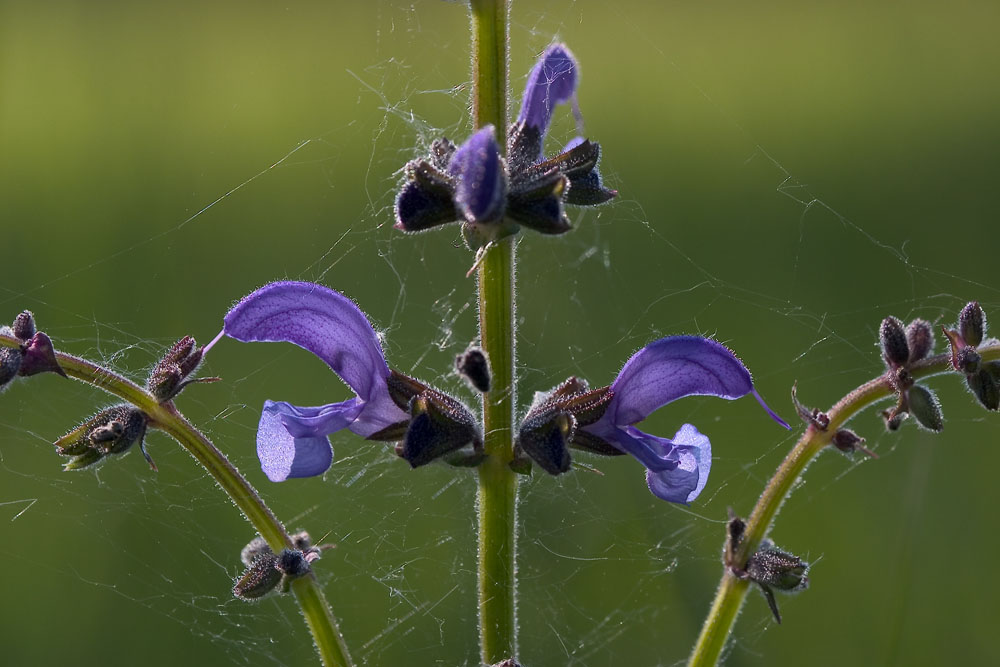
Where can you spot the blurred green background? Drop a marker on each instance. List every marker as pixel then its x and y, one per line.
pixel 790 173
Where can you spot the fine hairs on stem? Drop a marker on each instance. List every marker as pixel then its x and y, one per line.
pixel 496 495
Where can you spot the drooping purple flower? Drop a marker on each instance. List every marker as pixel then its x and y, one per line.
pixel 292 440
pixel 603 420
pixel 491 197
pixel 552 81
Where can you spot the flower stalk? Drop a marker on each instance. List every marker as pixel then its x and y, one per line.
pixel 497 491
pixel 732 590
pixel 316 610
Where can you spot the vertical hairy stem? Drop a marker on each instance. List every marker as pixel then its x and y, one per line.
pixel 322 624
pixel 497 491
pixel 732 591
pixel 489 63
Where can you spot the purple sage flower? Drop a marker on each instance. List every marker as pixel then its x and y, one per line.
pixel 387 406
pixel 491 196
pixel 603 420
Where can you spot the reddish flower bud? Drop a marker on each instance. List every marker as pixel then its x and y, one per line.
pixel 895 349
pixel 920 338
pixel 972 323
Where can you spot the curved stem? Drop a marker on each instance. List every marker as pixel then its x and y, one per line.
pixel 497 491
pixel 732 590
pixel 323 626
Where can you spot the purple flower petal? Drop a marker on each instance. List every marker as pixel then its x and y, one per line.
pixel 693 453
pixel 329 325
pixel 302 422
pixel 292 442
pixel 552 81
pixel 674 367
pixel 480 191
pixel 663 371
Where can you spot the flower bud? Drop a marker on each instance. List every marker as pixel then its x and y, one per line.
pixel 39 357
pixel 111 431
pixel 260 578
pixel 895 349
pixel 164 381
pixel 779 569
pixel 24 326
pixel 475 368
pixel 170 374
pixel 925 408
pixel 972 323
pixel 920 338
pixel 849 442
pixel 771 568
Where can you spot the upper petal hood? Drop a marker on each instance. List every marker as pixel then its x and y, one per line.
pixel 674 367
pixel 329 325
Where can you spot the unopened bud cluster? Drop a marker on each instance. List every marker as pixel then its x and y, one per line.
pixel 117 429
pixel 267 571
pixel 901 348
pixel 982 378
pixel 111 431
pixel 771 568
pixel 171 373
pixel 34 353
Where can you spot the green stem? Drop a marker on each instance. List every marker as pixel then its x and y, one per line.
pixel 489 62
pixel 732 590
pixel 497 491
pixel 322 624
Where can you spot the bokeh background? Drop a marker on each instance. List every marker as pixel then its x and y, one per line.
pixel 790 173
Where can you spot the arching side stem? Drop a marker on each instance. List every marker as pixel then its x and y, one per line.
pixel 732 590
pixel 316 610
